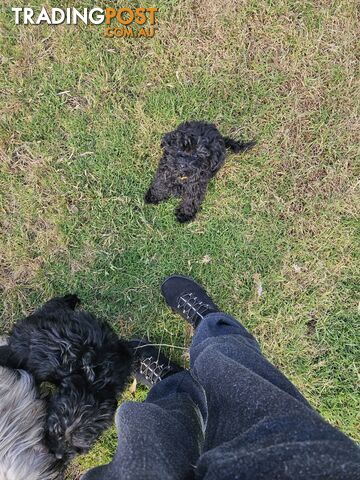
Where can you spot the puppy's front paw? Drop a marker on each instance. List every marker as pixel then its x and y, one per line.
pixel 183 217
pixel 151 198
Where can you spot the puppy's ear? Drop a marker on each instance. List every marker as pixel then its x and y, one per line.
pixel 187 142
pixel 168 139
pixel 68 302
pixel 71 300
pixel 203 150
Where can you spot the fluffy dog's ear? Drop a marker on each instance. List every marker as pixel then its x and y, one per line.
pixel 69 301
pixel 187 142
pixel 203 151
pixel 168 139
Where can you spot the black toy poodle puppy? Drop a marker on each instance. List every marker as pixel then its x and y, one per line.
pixel 84 358
pixel 193 154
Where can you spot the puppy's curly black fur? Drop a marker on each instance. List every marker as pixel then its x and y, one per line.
pixel 193 154
pixel 85 358
pixel 77 415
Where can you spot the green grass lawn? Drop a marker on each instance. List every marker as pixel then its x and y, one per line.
pixel 81 122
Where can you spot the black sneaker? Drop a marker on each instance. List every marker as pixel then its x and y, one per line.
pixel 187 298
pixel 150 365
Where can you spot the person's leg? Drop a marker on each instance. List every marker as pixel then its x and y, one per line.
pixel 242 387
pixel 163 436
pixel 259 425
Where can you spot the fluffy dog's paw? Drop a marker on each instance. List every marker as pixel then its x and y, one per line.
pixel 150 198
pixel 183 217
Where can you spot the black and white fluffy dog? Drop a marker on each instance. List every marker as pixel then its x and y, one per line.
pixel 85 359
pixel 23 454
pixel 193 154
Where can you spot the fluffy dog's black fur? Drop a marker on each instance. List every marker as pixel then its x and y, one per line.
pixel 193 154
pixel 87 361
pixel 77 414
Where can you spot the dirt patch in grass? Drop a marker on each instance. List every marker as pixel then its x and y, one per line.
pixel 311 324
pixel 23 160
pixel 15 275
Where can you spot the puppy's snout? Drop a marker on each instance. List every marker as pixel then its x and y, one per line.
pixel 59 455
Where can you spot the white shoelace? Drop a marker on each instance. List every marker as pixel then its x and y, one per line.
pixel 152 371
pixel 192 307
